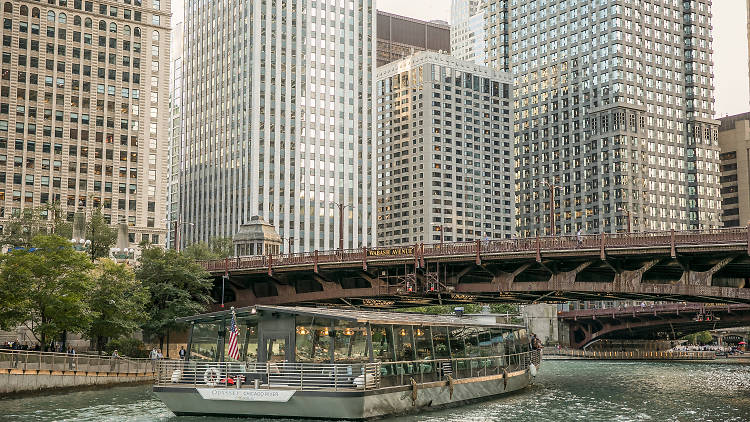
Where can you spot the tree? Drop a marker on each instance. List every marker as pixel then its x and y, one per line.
pixel 216 248
pixel 704 337
pixel 222 247
pixel 177 285
pixel 46 288
pixel 118 301
pixel 21 229
pixel 199 251
pixel 101 235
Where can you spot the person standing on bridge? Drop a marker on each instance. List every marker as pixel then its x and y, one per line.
pixel 579 237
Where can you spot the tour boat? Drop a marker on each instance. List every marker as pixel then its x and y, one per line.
pixel 331 363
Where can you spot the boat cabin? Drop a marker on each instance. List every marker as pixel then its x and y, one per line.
pixel 344 336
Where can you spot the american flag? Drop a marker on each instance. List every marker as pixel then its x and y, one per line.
pixel 234 333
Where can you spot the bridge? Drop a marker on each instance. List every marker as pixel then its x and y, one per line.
pixel 671 320
pixel 694 266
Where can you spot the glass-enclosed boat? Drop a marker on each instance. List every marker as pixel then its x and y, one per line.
pixel 341 364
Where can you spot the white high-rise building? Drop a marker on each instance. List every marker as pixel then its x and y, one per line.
pixel 278 120
pixel 467 31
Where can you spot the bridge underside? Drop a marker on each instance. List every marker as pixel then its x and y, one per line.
pixel 656 326
pixel 716 275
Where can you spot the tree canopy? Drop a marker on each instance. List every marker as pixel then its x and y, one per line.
pixel 21 229
pixel 46 288
pixel 118 300
pixel 216 248
pixel 101 235
pixel 178 287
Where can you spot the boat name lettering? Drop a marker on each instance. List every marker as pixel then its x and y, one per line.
pixel 245 394
pixel 390 251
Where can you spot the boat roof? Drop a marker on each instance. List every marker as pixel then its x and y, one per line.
pixel 353 315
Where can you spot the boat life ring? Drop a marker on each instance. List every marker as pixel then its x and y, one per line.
pixel 211 377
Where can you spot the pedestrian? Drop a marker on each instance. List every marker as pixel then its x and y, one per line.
pixel 579 237
pixel 159 355
pixel 182 353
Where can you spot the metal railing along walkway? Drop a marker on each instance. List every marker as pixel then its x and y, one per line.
pixel 631 355
pixel 50 361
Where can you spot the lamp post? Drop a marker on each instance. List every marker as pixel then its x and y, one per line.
pixel 177 224
pixel 124 253
pixel 551 188
pixel 341 222
pixel 627 214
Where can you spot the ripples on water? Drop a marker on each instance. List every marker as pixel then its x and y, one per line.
pixel 564 391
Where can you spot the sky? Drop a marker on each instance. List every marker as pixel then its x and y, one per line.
pixel 730 45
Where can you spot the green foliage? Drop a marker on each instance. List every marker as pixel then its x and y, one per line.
pixel 178 287
pixel 21 229
pixel 216 248
pixel 127 347
pixel 101 235
pixel 222 247
pixel 703 337
pixel 118 300
pixel 199 251
pixel 46 289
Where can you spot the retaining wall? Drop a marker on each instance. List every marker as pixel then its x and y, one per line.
pixel 19 380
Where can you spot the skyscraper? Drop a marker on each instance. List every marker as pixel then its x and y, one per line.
pixel 613 115
pixel 734 140
pixel 278 119
pixel 400 36
pixel 176 140
pixel 468 30
pixel 83 109
pixel 444 151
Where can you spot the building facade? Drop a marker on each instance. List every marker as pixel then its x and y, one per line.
pixel 176 140
pixel 734 141
pixel 468 36
pixel 83 109
pixel 445 169
pixel 400 36
pixel 613 107
pixel 278 120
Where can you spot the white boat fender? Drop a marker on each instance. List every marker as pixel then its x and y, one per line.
pixel 211 377
pixel 532 370
pixel 176 376
pixel 505 378
pixel 363 382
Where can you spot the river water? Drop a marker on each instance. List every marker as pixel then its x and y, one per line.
pixel 563 391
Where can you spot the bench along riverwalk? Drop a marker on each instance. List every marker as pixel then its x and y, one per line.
pixel 27 371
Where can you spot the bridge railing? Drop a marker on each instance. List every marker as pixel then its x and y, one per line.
pixel 631 354
pixel 541 244
pixel 50 361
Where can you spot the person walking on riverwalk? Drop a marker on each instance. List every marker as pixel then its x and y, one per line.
pixel 182 353
pixel 114 361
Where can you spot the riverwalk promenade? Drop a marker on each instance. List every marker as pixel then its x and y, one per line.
pixel 551 353
pixel 27 371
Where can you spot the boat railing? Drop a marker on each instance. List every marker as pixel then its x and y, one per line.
pixel 338 376
pixel 27 360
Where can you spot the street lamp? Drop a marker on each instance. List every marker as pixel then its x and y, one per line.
pixel 551 188
pixel 627 214
pixel 124 253
pixel 177 223
pixel 341 222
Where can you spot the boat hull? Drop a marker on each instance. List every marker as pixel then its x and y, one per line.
pixel 351 404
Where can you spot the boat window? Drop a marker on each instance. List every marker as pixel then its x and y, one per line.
pixel 382 343
pixel 249 336
pixel 510 343
pixel 276 349
pixel 472 343
pixel 523 341
pixel 303 339
pixel 204 341
pixel 404 342
pixel 350 342
pixel 485 342
pixel 423 342
pixel 440 342
pixel 322 331
pixel 497 341
pixel 456 339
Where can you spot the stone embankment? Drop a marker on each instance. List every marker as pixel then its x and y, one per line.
pixel 23 371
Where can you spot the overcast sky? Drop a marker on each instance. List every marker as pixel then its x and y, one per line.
pixel 730 45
